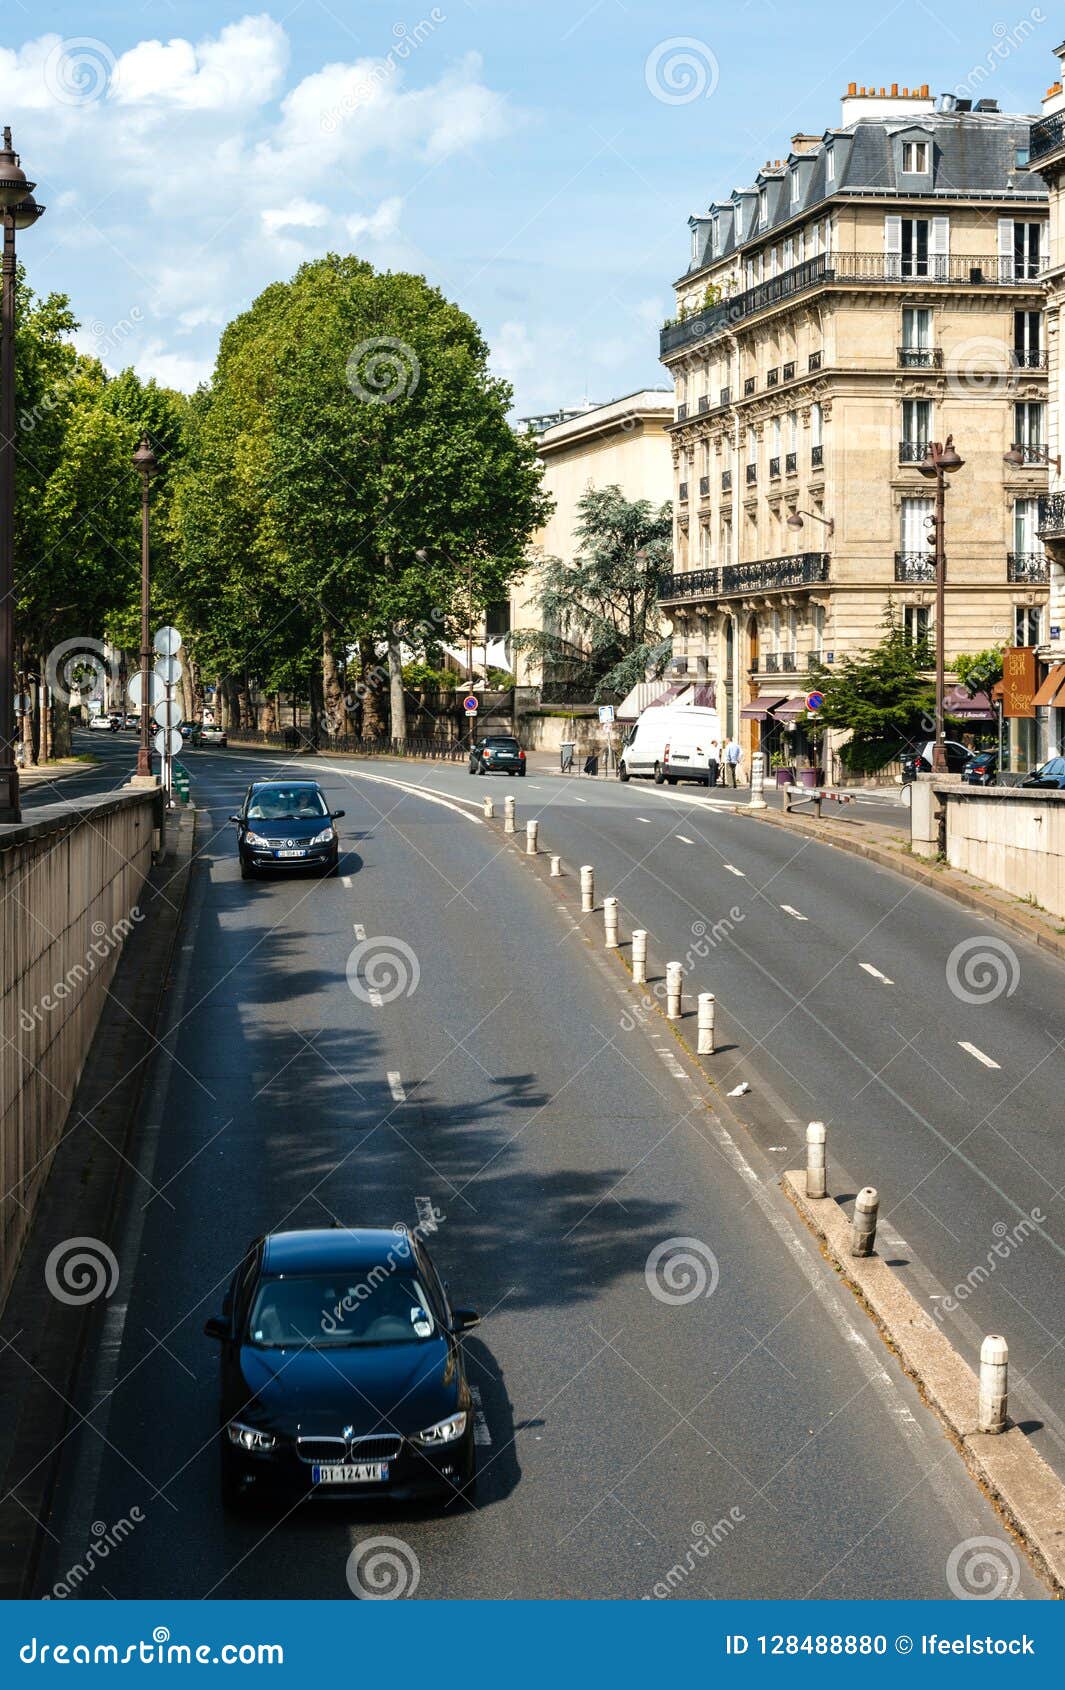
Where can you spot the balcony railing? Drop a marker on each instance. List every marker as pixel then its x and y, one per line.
pixel 752 475
pixel 770 664
pixel 1022 358
pixel 915 566
pixel 813 362
pixel 774 469
pixel 726 481
pixel 1027 566
pixel 704 487
pixel 748 386
pixel 1051 524
pixel 1033 454
pixel 772 378
pixel 1046 136
pixel 809 658
pixel 682 492
pixel 920 358
pixel 791 463
pixel 913 451
pixel 937 269
pixel 682 412
pixel 788 372
pixel 772 574
pixel 817 457
pixel 787 662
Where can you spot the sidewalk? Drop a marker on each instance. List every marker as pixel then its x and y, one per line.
pixel 38 773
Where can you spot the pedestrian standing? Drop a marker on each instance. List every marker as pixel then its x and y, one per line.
pixel 733 753
pixel 712 763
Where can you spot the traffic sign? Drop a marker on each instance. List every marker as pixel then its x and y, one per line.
pixel 169 670
pixel 168 713
pixel 156 691
pixel 167 642
pixel 470 704
pixel 606 714
pixel 167 742
pixel 814 700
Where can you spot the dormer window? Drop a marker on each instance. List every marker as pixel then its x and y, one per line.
pixel 830 164
pixel 915 158
pixel 763 207
pixel 795 187
pixel 695 243
pixel 714 237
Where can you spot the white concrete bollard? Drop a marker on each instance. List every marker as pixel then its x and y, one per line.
pixel 674 975
pixel 815 1159
pixel 706 1024
pixel 757 798
pixel 508 816
pixel 863 1232
pixel 556 867
pixel 610 923
pixel 489 810
pixel 532 830
pixel 639 956
pixel 587 889
pixel 994 1383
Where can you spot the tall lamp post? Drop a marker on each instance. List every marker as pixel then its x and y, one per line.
pixel 19 210
pixel 939 462
pixel 144 462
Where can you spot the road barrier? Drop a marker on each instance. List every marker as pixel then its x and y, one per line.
pixel 556 868
pixel 610 923
pixel 815 1159
pixel 587 889
pixel 863 1232
pixel 508 816
pixel 639 956
pixel 994 1383
pixel 706 1024
pixel 531 831
pixel 757 798
pixel 674 976
pixel 489 810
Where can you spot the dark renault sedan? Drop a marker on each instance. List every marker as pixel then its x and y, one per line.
pixel 286 824
pixel 342 1371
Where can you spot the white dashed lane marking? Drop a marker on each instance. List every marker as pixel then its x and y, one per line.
pixel 395 1086
pixel 345 880
pixel 646 819
pixel 683 837
pixel 789 909
pixel 988 1061
pixel 734 870
pixel 875 972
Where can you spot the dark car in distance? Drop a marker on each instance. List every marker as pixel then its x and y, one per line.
pixel 1050 775
pixel 286 824
pixel 917 759
pixel 497 754
pixel 981 769
pixel 342 1372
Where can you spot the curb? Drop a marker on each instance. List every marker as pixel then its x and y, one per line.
pixel 1014 1475
pixel 971 897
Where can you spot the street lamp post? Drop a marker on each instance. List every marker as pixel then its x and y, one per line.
pixel 144 462
pixel 19 210
pixel 940 461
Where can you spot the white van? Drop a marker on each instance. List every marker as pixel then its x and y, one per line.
pixel 670 745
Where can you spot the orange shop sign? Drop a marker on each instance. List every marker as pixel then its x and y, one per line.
pixel 1018 681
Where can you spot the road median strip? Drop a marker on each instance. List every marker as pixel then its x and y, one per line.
pixel 1029 1495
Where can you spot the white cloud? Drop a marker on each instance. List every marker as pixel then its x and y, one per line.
pixel 298 214
pixel 379 225
pixel 243 66
pixel 171 369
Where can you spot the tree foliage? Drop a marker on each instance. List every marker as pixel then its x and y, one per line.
pixel 881 696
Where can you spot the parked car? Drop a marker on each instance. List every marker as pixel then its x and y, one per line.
pixel 1050 775
pixel 211 734
pixel 191 733
pixel 497 754
pixel 981 769
pixel 286 824
pixel 686 753
pixel 132 719
pixel 102 723
pixel 917 759
pixel 342 1371
pixel 643 752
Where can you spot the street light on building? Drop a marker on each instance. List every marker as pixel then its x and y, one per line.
pixel 145 464
pixel 939 462
pixel 19 210
pixel 795 520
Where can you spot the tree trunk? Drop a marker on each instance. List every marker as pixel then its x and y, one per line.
pixel 372 690
pixel 221 704
pixel 44 693
pixel 236 720
pixel 332 692
pixel 267 716
pixel 314 685
pixel 61 740
pixel 244 701
pixel 396 700
pixel 28 757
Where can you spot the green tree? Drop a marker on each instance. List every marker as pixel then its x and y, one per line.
pixel 600 610
pixel 978 671
pixel 879 696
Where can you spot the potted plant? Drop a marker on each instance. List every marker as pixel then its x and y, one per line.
pixel 815 774
pixel 785 772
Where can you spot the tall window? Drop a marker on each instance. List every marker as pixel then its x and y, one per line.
pixel 793 431
pixel 916 337
pixel 789 253
pixel 704 545
pixel 1028 339
pixel 915 158
pixel 815 240
pixel 916 247
pixel 917 624
pixel 1028 429
pixel 1025 520
pixel 795 187
pixel 752 446
pixel 817 423
pixel 776 437
pixel 1027 624
pixel 916 428
pixel 914 532
pixel 1020 250
pixel 830 165
pixel 763 207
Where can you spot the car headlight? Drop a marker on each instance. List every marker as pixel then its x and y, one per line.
pixel 255 839
pixel 444 1432
pixel 323 838
pixel 250 1437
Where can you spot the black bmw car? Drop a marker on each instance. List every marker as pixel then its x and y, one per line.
pixel 286 824
pixel 342 1371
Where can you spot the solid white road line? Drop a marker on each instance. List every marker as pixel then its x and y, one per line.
pixel 987 1061
pixel 734 870
pixel 450 803
pixel 789 909
pixel 875 972
pixel 345 880
pixel 683 837
pixel 395 1086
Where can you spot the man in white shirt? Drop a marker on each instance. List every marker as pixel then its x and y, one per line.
pixel 733 753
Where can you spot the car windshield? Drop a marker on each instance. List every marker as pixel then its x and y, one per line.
pixel 286 804
pixel 502 744
pixel 375 1305
pixel 1056 766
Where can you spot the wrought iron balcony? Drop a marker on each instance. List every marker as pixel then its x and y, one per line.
pixel 772 574
pixel 772 378
pixel 920 358
pixel 682 412
pixel 770 663
pixel 726 481
pixel 809 658
pixel 1027 566
pixel 774 469
pixel 913 451
pixel 748 386
pixel 817 457
pixel 1051 524
pixel 1022 358
pixel 752 474
pixel 787 662
pixel 1033 454
pixel 1046 136
pixel 788 372
pixel 915 566
pixel 704 487
pixel 813 362
pixel 791 463
pixel 682 492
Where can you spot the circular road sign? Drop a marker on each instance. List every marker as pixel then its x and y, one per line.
pixel 814 700
pixel 167 740
pixel 156 691
pixel 167 642
pixel 169 670
pixel 168 713
pixel 469 704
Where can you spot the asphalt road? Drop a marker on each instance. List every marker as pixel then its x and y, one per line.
pixel 621 1425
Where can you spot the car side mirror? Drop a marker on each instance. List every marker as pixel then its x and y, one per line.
pixel 463 1319
pixel 336 814
pixel 215 1327
pixel 235 819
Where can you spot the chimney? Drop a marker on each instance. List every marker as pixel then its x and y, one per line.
pixel 872 101
pixel 805 143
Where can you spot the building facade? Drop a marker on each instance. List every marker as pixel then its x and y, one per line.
pixel 625 444
pixel 877 289
pixel 1047 153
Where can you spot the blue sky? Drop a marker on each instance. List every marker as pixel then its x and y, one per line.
pixel 537 161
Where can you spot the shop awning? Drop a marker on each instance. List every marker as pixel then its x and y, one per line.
pixel 1053 684
pixel 759 709
pixel 976 707
pixel 791 709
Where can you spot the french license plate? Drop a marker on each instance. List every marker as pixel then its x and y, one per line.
pixel 292 853
pixel 362 1473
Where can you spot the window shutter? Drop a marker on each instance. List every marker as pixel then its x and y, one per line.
pixel 1044 245
pixel 1005 249
pixel 892 248
pixel 941 247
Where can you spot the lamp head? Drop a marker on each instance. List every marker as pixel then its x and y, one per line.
pixel 144 458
